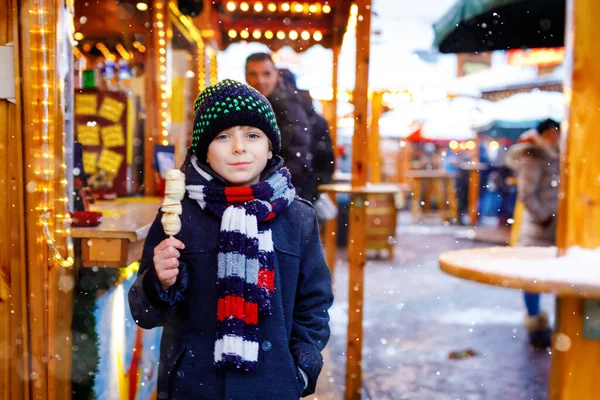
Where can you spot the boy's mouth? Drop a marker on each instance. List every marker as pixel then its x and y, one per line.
pixel 239 164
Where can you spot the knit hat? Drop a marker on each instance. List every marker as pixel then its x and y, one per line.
pixel 231 103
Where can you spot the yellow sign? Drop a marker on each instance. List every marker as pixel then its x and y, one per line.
pixel 86 104
pixel 111 109
pixel 88 135
pixel 553 56
pixel 89 162
pixel 110 161
pixel 112 136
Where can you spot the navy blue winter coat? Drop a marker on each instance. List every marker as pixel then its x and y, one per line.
pixel 293 336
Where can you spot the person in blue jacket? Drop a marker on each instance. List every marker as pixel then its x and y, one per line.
pixel 243 291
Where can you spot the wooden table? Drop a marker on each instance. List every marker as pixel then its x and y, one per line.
pixel 574 278
pixel 119 239
pixel 442 188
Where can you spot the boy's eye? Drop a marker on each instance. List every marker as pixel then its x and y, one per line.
pixel 222 137
pixel 253 135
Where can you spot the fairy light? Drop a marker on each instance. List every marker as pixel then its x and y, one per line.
pixel 312 8
pixel 258 7
pixel 231 6
pixel 78 54
pixel 305 35
pixel 123 52
pixel 213 66
pixel 244 7
pixel 298 7
pixel 293 35
pixel 44 134
pixel 269 35
pixel 256 34
pixel 285 7
pixel 317 36
pixel 281 35
pixel 272 7
pixel 105 52
pixel 326 9
pixel 244 34
pixel 232 33
pixel 163 112
pixel 78 36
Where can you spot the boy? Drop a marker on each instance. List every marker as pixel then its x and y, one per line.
pixel 242 292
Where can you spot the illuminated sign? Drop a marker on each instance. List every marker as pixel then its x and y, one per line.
pixel 553 56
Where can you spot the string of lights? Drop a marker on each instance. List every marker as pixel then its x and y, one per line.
pixel 293 7
pixel 44 132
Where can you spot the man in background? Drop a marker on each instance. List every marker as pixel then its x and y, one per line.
pixel 293 121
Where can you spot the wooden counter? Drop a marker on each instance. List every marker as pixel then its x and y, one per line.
pixel 119 239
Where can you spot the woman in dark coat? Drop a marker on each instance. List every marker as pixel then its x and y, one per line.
pixel 243 291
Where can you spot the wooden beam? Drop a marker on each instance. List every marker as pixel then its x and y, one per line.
pixel 331 115
pixel 403 161
pixel 579 210
pixel 374 153
pixel 356 241
pixel 575 367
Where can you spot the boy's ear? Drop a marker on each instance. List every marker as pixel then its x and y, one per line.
pixel 270 155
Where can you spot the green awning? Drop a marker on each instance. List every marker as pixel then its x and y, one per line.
pixel 485 25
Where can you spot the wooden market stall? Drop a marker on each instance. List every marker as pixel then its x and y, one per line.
pixel 43 44
pixel 573 275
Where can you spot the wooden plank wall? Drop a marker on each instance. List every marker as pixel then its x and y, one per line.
pixel 13 318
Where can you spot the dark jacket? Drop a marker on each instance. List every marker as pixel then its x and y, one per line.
pixel 323 159
pixel 292 336
pixel 296 140
pixel 537 167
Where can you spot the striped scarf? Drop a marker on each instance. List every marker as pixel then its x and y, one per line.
pixel 246 259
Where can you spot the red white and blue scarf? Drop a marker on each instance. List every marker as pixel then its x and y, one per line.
pixel 246 259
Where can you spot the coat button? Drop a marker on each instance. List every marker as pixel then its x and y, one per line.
pixel 266 345
pixel 180 374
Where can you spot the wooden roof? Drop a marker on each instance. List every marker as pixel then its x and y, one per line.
pixel 110 20
pixel 277 23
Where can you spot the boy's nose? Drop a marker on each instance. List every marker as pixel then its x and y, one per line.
pixel 238 146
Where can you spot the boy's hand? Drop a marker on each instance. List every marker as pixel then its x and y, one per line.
pixel 166 261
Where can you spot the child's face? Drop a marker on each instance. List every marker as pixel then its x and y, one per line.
pixel 239 155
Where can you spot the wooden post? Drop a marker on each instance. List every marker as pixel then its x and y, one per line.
pixel 331 225
pixel 474 184
pixel 473 196
pixel 374 153
pixel 404 159
pixel 573 369
pixel 356 240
